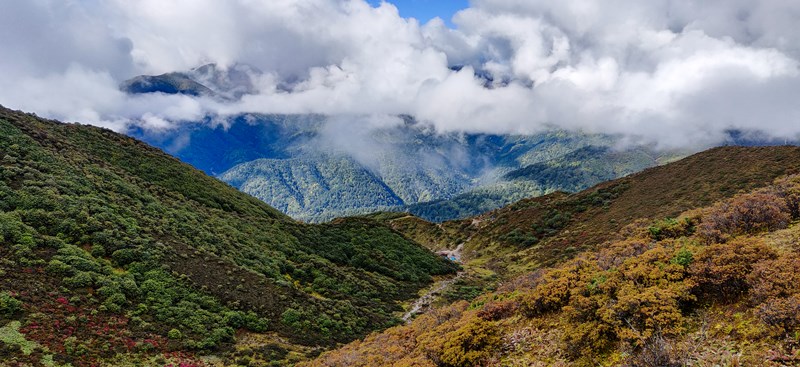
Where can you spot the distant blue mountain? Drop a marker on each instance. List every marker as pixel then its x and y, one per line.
pixel 315 168
pixel 226 83
pixel 755 139
pixel 170 83
pixel 293 163
pixel 216 148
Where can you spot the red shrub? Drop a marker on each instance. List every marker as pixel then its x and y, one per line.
pixel 498 310
pixel 776 278
pixel 745 214
pixel 781 312
pixel 789 189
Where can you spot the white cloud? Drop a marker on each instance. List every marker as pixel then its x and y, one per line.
pixel 665 72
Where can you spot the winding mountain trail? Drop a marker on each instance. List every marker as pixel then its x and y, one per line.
pixel 425 301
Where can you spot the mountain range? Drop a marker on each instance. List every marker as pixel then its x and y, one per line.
pixel 315 169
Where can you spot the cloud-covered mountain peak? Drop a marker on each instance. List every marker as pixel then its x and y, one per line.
pixel 232 82
pixel 209 80
pixel 664 73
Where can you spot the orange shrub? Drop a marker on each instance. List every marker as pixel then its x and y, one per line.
pixel 789 189
pixel 640 313
pixel 776 290
pixel 720 271
pixel 672 228
pixel 588 338
pixel 469 342
pixel 555 287
pixel 648 296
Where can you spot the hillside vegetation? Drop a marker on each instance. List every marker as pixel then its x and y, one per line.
pixel 545 230
pixel 111 251
pixel 715 286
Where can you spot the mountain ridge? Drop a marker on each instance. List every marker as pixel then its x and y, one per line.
pixel 173 260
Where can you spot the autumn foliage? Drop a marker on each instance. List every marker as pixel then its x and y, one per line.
pixel 680 291
pixel 721 270
pixel 761 211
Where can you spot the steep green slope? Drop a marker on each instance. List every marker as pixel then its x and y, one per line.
pixel 311 188
pixel 137 254
pixel 477 201
pixel 589 166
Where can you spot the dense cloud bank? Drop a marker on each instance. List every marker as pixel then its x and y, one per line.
pixel 677 73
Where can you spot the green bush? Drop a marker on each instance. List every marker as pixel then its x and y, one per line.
pixel 9 305
pixel 672 228
pixel 124 256
pixel 115 302
pixel 174 334
pixel 98 251
pixel 291 316
pixel 255 323
pixel 58 267
pixel 234 319
pixel 684 257
pixel 82 279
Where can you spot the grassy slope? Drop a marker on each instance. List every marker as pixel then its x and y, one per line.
pixel 662 293
pixel 548 230
pixel 102 232
pixel 545 230
pixel 576 222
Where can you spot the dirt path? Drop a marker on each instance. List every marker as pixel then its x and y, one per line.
pixel 422 303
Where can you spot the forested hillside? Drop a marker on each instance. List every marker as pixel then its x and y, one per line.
pixel 112 251
pixel 315 169
pixel 711 286
pixel 575 171
pixel 313 187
